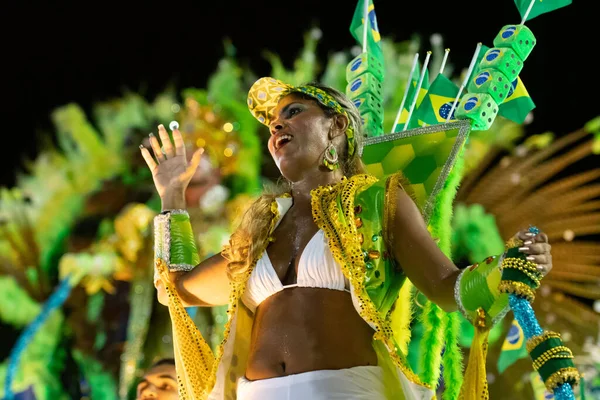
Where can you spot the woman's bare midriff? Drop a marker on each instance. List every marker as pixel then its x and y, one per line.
pixel 308 329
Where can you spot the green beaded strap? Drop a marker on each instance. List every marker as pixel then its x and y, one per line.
pixel 174 241
pixel 477 295
pixel 552 359
pixel 519 275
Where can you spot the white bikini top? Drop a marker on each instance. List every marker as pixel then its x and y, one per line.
pixel 316 268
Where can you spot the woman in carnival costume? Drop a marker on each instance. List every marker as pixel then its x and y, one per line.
pixel 313 273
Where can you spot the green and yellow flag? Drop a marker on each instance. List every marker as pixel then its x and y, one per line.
pixel 539 7
pixel 437 103
pixel 517 104
pixel 513 347
pixel 357 28
pixel 414 122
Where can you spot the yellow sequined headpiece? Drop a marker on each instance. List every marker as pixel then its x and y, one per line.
pixel 266 93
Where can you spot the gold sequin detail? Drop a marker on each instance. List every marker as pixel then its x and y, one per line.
pixel 373 254
pixel 518 288
pixel 345 245
pixel 512 243
pixel 561 376
pixel 480 320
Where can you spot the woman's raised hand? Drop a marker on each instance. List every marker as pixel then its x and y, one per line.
pixel 168 163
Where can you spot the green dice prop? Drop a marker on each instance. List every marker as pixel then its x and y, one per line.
pixel 366 83
pixel 492 82
pixel 503 59
pixel 366 91
pixel 517 37
pixel 367 102
pixel 372 125
pixel 479 108
pixel 364 62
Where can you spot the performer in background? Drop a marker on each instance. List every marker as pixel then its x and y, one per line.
pixel 159 382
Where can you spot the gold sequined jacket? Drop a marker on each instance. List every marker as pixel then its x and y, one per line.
pixel 354 216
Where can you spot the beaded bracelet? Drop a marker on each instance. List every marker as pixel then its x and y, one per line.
pixel 477 295
pixel 519 275
pixel 174 241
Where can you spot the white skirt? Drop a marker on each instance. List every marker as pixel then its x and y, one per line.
pixel 364 382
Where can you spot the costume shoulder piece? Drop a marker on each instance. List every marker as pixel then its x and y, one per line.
pixel 424 157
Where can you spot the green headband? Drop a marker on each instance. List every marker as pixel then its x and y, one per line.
pixel 266 93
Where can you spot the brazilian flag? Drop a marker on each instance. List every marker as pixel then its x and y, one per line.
pixel 414 123
pixel 436 105
pixel 517 104
pixel 540 6
pixel 357 27
pixel 513 347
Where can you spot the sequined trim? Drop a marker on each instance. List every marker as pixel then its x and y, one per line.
pixel 518 288
pixel 506 309
pixel 500 315
pixel 457 296
pixel 181 267
pixel 162 237
pixel 561 376
pixel 177 211
pixel 333 212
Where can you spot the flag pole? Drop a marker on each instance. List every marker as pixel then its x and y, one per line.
pixel 418 88
pixel 444 60
pixel 406 88
pixel 464 82
pixel 527 12
pixel 366 25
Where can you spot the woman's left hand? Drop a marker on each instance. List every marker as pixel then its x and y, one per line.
pixel 537 249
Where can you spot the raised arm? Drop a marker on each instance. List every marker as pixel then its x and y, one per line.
pixel 424 263
pixel 207 284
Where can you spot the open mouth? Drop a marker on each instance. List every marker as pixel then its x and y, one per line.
pixel 282 141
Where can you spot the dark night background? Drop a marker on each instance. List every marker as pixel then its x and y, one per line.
pixel 85 52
